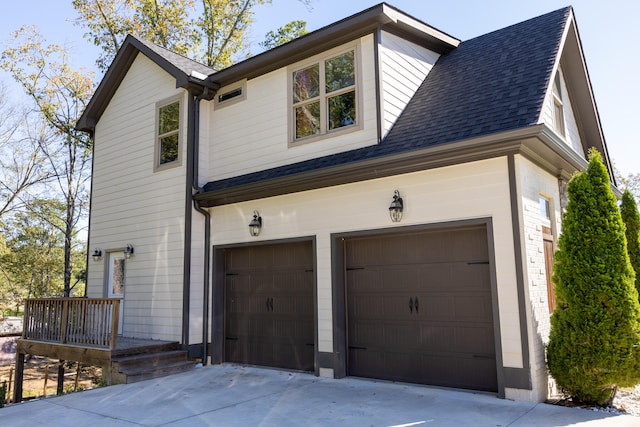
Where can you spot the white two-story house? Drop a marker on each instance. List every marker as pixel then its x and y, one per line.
pixel 376 198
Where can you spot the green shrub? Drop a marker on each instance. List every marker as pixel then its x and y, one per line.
pixel 596 323
pixel 631 219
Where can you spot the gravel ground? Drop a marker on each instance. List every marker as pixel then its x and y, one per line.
pixel 628 400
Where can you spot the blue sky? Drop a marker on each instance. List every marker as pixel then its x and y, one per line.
pixel 608 29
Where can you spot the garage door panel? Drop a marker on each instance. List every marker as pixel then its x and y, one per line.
pixel 419 308
pixel 269 305
pixel 364 250
pixel 403 277
pixel 472 307
pixel 434 275
pixel 434 308
pixel 437 337
pixel 365 281
pixel 293 356
pixel 473 340
pixel 368 306
pixel 367 334
pixel 363 362
pixel 402 334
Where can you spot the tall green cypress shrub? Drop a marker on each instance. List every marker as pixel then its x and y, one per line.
pixel 596 321
pixel 631 219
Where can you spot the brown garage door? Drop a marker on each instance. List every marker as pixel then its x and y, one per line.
pixel 419 308
pixel 269 306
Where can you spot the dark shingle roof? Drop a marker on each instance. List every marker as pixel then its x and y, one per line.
pixel 182 63
pixel 492 83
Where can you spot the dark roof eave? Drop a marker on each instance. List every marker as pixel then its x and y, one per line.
pixel 119 68
pixel 379 16
pixel 536 142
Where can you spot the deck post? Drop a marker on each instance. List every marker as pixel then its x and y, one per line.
pixel 60 389
pixel 106 373
pixel 17 390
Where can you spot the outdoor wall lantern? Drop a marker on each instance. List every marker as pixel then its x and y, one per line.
pixel 128 251
pixel 395 210
pixel 256 224
pixel 97 254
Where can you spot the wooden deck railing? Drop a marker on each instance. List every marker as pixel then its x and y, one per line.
pixel 80 321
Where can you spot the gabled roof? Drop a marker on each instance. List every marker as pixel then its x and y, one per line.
pixel 488 89
pixel 182 68
pixel 189 74
pixel 383 16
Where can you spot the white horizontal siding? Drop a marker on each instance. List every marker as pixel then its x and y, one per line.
pixel 572 133
pixel 133 204
pixel 473 190
pixel 252 135
pixel 404 66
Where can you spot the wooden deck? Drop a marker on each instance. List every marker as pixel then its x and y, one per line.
pixel 85 330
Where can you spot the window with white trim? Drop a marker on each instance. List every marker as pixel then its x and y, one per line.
pixel 545 208
pixel 324 96
pixel 558 108
pixel 168 140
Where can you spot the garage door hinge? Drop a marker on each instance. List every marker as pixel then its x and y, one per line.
pixel 232 274
pixel 354 268
pixel 478 262
pixel 484 356
pixel 356 347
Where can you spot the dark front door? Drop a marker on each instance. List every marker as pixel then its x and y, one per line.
pixel 419 308
pixel 269 306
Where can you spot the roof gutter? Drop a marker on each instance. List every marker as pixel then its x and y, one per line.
pixel 537 142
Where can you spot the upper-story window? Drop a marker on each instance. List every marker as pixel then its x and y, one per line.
pixel 324 96
pixel 558 108
pixel 168 134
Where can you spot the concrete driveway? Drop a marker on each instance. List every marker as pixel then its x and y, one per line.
pixel 229 395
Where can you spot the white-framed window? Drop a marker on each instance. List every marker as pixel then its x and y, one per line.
pixel 168 145
pixel 558 107
pixel 545 208
pixel 324 95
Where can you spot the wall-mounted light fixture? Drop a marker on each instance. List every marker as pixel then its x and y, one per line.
pixel 396 207
pixel 256 224
pixel 97 254
pixel 128 251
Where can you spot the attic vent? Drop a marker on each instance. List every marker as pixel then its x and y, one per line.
pixel 230 95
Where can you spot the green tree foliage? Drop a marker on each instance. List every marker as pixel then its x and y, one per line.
pixel 32 259
pixel 284 34
pixel 596 322
pixel 213 32
pixel 631 218
pixel 35 249
pixel 60 95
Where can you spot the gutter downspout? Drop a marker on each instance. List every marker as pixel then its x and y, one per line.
pixel 188 215
pixel 204 89
pixel 207 226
